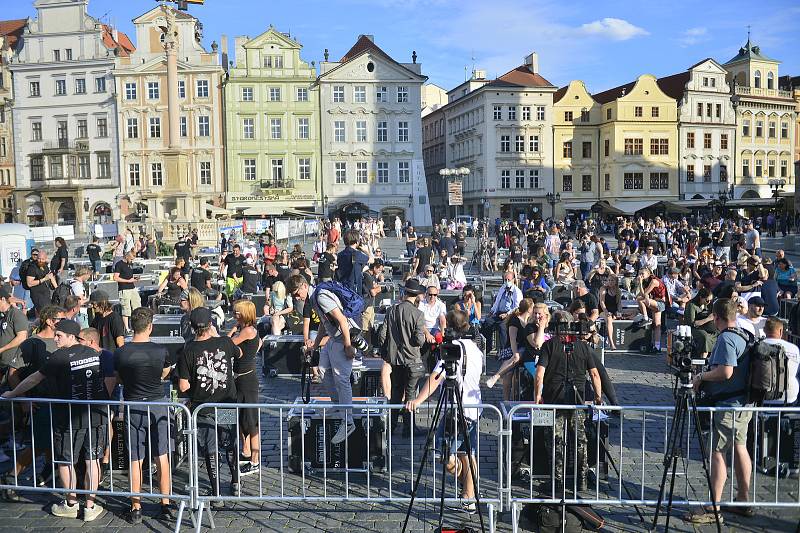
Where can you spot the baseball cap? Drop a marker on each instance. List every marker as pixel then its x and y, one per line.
pixel 200 318
pixel 757 301
pixel 98 296
pixel 69 327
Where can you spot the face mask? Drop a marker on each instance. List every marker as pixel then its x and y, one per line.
pixel 509 284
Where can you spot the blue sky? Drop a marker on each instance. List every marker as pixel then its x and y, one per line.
pixel 604 43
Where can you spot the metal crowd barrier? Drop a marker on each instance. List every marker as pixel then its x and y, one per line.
pixel 636 460
pixel 368 467
pixel 47 416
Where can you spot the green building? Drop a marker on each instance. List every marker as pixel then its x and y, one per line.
pixel 272 128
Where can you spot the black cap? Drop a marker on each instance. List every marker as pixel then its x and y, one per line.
pixel 4 294
pixel 413 287
pixel 69 327
pixel 200 318
pixel 757 301
pixel 98 296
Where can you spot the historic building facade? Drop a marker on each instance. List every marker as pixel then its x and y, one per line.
pixel 65 118
pixel 372 136
pixel 272 128
pixel 434 154
pixel 10 32
pixel 170 122
pixel 764 118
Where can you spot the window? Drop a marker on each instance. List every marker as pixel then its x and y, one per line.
pixel 586 183
pixel 383 172
pixel 360 94
pixel 746 128
pixel 249 169
pixel 526 112
pixel 505 143
pixel 102 127
pixel 566 183
pixel 519 179
pixel 247 94
pixel 498 112
pixel 181 89
pixel 62 132
pixel 276 170
pixel 3 147
pixel 699 109
pixel 304 168
pixel 746 168
pixel 772 130
pixel 61 87
pixel 784 130
pixel 183 126
pixel 134 175
pixel 658 146
pixel 784 169
pixel 130 91
pixel 68 54
pixel 690 173
pixel 633 147
pixel 156 175
pixel 539 112
pixel 587 149
pixel 80 85
pixel 274 94
pixel 759 128
pixel 606 147
pixel 203 126
pixel 56 167
pixel 757 80
pixel 361 172
pixel 689 139
pixel 505 179
pixel 608 114
pixel 338 93
pixel 771 168
pixel 36 131
pixel 533 179
pixel 381 94
pixel 607 180
pixel 770 80
pixel 706 140
pixel 338 131
pixel 103 165
pixel 633 181
pixel 759 168
pixel 275 128
pixel 637 111
pixel 708 110
pixel 205 172
pixel 705 82
pixel 404 172
pixel 584 115
pixel 37 168
pixel 155 127
pixel 248 128
pixel 723 141
pixel 302 128
pixel 278 61
pixel 402 131
pixel 83 129
pixel 723 173
pixel 659 180
pixel 340 171
pixel 268 61
pixel 84 167
pixel 567 116
pixel 402 94
pixel 100 85
pixel 201 88
pixel 361 131
pixel 718 111
pixel 56 55
pixel 383 131
pixel 533 143
pixel 35 89
pixel 706 173
pixel 519 143
pixel 153 90
pixel 654 112
pixel 567 151
pixel 302 94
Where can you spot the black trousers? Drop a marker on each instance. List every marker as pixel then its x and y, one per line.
pixel 404 388
pixel 210 441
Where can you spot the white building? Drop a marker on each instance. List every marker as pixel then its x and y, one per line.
pixel 501 130
pixel 706 129
pixel 433 97
pixel 372 136
pixel 64 116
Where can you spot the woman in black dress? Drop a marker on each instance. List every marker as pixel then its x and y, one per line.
pixel 610 298
pixel 244 335
pixel 174 284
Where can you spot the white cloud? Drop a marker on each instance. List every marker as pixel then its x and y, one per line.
pixel 694 36
pixel 613 28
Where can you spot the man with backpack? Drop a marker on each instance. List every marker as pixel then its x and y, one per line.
pixel 351 263
pixel 75 286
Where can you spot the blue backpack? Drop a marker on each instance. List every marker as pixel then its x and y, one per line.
pixel 349 270
pixel 352 303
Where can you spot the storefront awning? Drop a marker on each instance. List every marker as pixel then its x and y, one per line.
pixel 670 207
pixel 263 210
pixel 751 202
pixel 579 206
pixel 297 213
pixel 217 211
pixel 702 202
pixel 630 207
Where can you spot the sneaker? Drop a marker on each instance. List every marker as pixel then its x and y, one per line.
pixel 93 513
pixel 9 495
pixel 236 489
pixel 244 459
pixel 345 430
pixel 249 469
pixel 469 507
pixel 134 516
pixel 65 510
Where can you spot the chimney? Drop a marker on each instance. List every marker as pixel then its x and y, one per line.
pixel 115 34
pixel 223 45
pixel 370 37
pixel 241 55
pixel 532 62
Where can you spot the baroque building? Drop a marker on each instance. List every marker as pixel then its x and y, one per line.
pixel 10 32
pixel 272 128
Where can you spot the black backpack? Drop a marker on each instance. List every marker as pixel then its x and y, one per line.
pixel 768 375
pixel 63 290
pixel 23 273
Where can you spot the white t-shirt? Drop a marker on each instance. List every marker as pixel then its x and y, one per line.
pixel 755 328
pixel 432 312
pixel 792 364
pixel 77 288
pixel 469 381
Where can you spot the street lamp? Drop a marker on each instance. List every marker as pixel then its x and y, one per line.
pixel 777 186
pixel 553 199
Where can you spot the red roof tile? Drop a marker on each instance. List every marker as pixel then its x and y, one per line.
pixel 522 77
pixel 362 45
pixel 12 29
pixel 123 42
pixel 559 94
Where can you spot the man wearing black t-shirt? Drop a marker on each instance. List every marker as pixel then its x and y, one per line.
pixel 250 277
pixel 140 366
pixel 423 257
pixel 183 249
pixel 106 321
pixel 326 263
pixel 129 297
pixel 448 243
pixel 201 277
pixel 41 282
pixel 76 373
pixel 205 371
pixel 94 252
pixel 232 267
pixel 372 277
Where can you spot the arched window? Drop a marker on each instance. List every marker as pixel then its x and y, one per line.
pixel 770 80
pixel 757 79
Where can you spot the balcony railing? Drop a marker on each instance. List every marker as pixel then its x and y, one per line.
pixel 64 145
pixel 760 91
pixel 277 184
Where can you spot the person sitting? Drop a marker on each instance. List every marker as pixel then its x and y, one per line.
pixel 678 293
pixel 589 300
pixel 427 278
pixel 786 277
pixel 434 310
pixel 507 299
pixel 535 286
pixel 564 270
pixel 698 316
pixel 470 305
pixel 173 285
pixel 773 329
pixel 277 307
pixel 652 299
pixel 610 300
pixel 752 279
pixel 517 348
pixel 751 319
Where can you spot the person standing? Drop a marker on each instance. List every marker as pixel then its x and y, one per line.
pixel 60 258
pixel 326 264
pixel 13 332
pixel 373 276
pixel 398 228
pixel 94 252
pixel 201 277
pixel 232 267
pixel 106 321
pixel 129 297
pixel 183 249
pixel 351 262
pixel 40 281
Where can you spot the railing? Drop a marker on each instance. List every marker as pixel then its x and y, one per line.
pixel 277 184
pixel 65 145
pixel 760 91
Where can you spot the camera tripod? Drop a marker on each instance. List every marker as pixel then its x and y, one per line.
pixel 449 403
pixel 685 405
pixel 309 359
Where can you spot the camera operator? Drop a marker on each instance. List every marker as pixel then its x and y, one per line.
pixel 773 329
pixel 725 385
pixel 468 372
pixel 560 377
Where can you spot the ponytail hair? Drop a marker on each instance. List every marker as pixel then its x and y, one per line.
pixel 524 306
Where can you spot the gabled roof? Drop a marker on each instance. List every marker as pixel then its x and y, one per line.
pixel 11 30
pixel 520 77
pixel 612 94
pixel 364 44
pixel 178 13
pixel 750 51
pixel 123 42
pixel 675 85
pixel 559 94
pixel 272 31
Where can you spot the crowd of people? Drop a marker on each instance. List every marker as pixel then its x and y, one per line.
pixel 60 340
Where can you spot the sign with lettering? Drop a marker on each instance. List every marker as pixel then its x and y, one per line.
pixel 455 194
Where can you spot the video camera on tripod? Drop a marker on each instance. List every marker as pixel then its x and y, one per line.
pixel 681 348
pixel 451 352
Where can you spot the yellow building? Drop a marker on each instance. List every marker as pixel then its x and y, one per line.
pixel 638 136
pixel 576 119
pixel 10 33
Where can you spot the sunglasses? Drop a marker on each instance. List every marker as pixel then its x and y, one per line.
pixel 433 294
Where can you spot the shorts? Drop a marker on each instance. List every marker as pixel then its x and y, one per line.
pixel 129 299
pixel 96 265
pixel 11 359
pixel 148 432
pixel 41 424
pixel 67 442
pixel 728 422
pixel 661 306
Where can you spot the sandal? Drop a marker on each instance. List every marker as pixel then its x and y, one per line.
pixel 703 516
pixel 747 512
